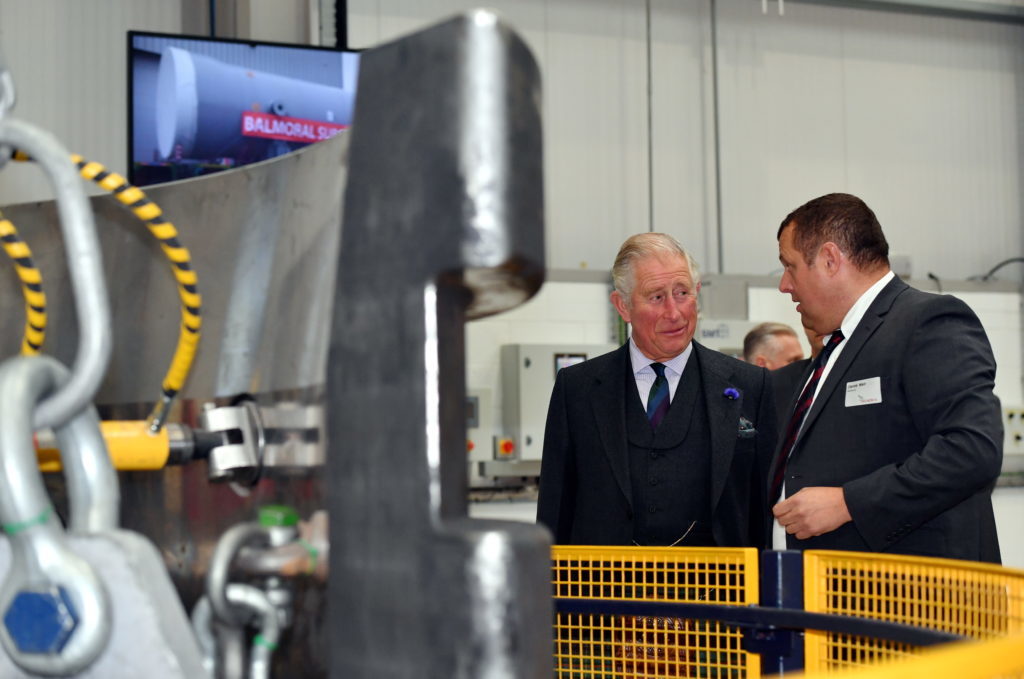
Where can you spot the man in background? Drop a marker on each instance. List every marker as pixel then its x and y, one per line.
pixel 662 442
pixel 772 346
pixel 895 441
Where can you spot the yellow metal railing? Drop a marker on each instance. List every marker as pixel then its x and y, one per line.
pixel 622 645
pixel 980 601
pixel 1000 657
pixel 974 600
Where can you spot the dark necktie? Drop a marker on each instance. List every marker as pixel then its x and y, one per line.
pixel 803 404
pixel 657 399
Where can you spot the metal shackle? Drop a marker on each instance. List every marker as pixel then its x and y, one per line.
pixel 56 611
pixel 85 271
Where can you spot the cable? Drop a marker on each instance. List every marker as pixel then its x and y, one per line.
pixel 1000 265
pixel 164 231
pixel 938 283
pixel 31 287
pixel 150 213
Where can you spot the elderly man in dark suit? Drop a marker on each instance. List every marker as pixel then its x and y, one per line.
pixel 661 442
pixel 895 442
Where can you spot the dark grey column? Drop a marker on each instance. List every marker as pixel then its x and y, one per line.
pixel 443 222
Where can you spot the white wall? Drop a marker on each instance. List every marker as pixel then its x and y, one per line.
pixel 593 61
pixel 68 61
pixel 920 116
pixel 1009 507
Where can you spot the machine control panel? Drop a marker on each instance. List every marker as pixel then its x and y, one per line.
pixel 527 377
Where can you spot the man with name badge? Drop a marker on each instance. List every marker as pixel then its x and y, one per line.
pixel 894 442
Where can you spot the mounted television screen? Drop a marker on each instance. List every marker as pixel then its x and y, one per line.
pixel 200 105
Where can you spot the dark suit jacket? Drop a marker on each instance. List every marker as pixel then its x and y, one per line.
pixel 787 383
pixel 917 469
pixel 585 490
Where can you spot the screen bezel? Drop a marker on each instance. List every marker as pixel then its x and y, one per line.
pixel 130 172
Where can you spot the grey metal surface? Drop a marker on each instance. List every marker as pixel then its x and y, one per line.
pixel 443 222
pixel 264 242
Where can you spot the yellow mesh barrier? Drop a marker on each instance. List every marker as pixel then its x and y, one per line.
pixel 995 658
pixel 962 597
pixel 593 646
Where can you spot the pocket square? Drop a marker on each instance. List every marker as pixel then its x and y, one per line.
pixel 747 429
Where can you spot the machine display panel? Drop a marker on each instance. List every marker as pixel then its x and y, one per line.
pixel 199 105
pixel 565 360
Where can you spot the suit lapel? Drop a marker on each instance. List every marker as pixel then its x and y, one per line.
pixel 608 401
pixel 723 416
pixel 871 321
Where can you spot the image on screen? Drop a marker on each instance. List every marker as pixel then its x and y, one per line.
pixel 201 105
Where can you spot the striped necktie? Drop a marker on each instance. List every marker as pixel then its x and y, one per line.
pixel 803 404
pixel 657 398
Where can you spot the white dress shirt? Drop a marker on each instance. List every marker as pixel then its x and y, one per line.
pixel 645 375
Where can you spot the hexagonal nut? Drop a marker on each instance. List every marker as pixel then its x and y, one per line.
pixel 41 620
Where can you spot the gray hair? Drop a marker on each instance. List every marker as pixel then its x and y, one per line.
pixel 644 245
pixel 760 335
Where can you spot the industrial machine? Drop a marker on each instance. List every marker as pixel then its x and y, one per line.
pixel 326 379
pixel 527 377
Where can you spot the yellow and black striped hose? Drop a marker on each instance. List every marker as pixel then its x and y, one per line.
pixel 150 213
pixel 31 287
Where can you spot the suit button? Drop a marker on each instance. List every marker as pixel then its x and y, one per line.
pixel 652 509
pixel 654 455
pixel 653 481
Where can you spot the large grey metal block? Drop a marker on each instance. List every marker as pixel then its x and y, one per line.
pixel 443 222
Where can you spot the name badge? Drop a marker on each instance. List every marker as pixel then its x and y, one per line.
pixel 864 392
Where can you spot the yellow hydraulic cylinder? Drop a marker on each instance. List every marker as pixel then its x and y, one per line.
pixel 131 444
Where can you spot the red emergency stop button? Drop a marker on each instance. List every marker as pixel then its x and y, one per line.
pixel 506 447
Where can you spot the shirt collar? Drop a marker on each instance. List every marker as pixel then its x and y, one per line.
pixel 641 362
pixel 857 311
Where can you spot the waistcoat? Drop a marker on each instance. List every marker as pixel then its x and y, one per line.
pixel 670 467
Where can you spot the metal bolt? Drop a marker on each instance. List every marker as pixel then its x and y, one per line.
pixel 41 620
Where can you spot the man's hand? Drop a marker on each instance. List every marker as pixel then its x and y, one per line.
pixel 812 511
